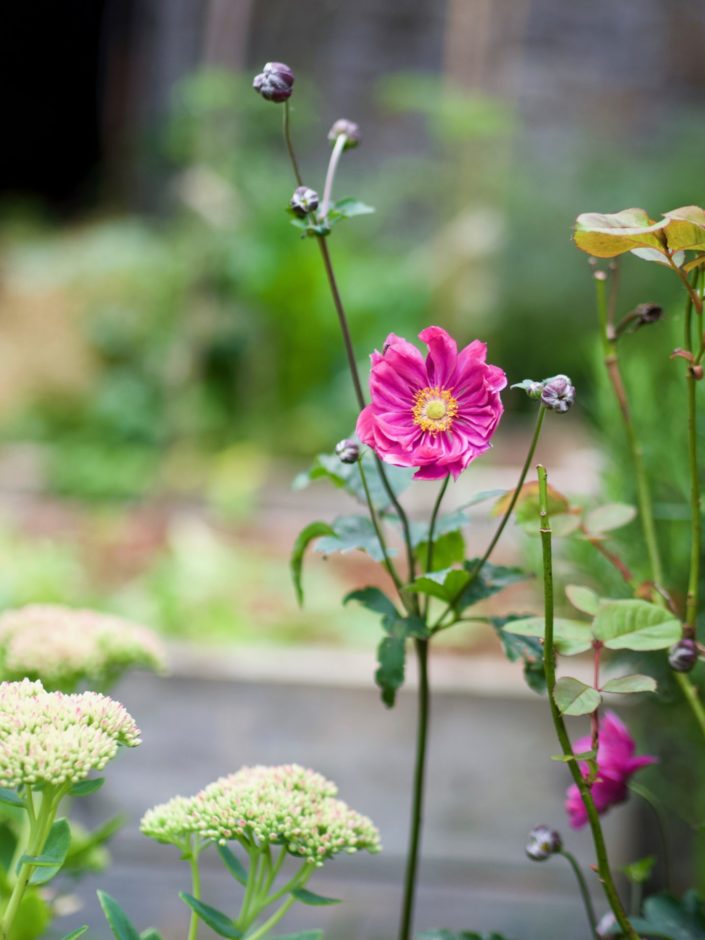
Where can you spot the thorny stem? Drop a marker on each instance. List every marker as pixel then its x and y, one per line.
pixel 595 717
pixel 412 858
pixel 584 893
pixel 549 658
pixel 691 609
pixel 503 521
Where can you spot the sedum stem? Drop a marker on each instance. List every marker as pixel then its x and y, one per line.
pixel 549 658
pixel 195 890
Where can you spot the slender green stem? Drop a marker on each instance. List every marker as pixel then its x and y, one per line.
pixel 412 858
pixel 431 533
pixel 690 692
pixel 195 890
pixel 273 920
pixel 335 156
pixel 274 870
pixel 584 893
pixel 549 658
pixel 505 517
pixel 380 534
pixel 250 898
pixel 661 825
pixel 290 145
pixel 691 609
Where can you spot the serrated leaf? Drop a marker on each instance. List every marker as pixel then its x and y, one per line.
pixel 445 584
pixel 347 477
pixel 215 919
pixel 49 862
pixel 525 648
pixel 84 787
pixel 569 636
pixel 391 656
pixel 490 580
pixel 607 518
pixel 625 685
pixel 583 599
pixel 375 600
pixel 310 897
pixel 608 235
pixel 573 697
pixel 312 531
pixel 635 625
pixel 352 533
pixel 10 797
pixel 233 864
pixel 119 922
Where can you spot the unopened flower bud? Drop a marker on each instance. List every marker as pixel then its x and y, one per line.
pixel 349 129
pixel 543 842
pixel 683 656
pixel 303 201
pixel 274 82
pixel 532 389
pixel 558 394
pixel 697 372
pixel 348 451
pixel 648 313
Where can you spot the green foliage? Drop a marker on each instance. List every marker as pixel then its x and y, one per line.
pixel 120 924
pixel 233 864
pixel 347 477
pixel 459 935
pixel 49 863
pixel 573 697
pixel 635 625
pixel 349 533
pixel 527 649
pixel 310 897
pixel 307 535
pixel 215 919
pixel 667 918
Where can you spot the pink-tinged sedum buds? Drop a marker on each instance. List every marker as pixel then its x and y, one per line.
pixel 48 739
pixel 275 82
pixel 348 451
pixel 286 805
pixel 558 394
pixel 304 201
pixel 683 656
pixel 349 129
pixel 543 843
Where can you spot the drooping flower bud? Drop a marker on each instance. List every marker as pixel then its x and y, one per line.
pixel 543 842
pixel 274 82
pixel 648 313
pixel 304 201
pixel 348 451
pixel 683 656
pixel 558 394
pixel 349 129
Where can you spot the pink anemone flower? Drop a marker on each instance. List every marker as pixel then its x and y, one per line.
pixel 437 413
pixel 615 765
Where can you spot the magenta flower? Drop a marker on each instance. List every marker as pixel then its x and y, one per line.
pixel 436 414
pixel 615 764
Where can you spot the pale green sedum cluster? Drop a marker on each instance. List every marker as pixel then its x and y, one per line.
pixel 66 647
pixel 260 806
pixel 53 739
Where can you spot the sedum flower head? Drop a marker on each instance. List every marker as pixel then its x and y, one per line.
pixel 286 805
pixel 53 739
pixel 64 646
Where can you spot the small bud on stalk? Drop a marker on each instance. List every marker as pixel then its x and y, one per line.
pixel 532 389
pixel 558 394
pixel 303 201
pixel 696 372
pixel 648 313
pixel 349 129
pixel 348 451
pixel 683 656
pixel 543 842
pixel 274 82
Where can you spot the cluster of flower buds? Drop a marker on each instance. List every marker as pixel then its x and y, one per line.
pixel 275 82
pixel 543 843
pixel 683 656
pixel 286 805
pixel 65 647
pixel 347 129
pixel 556 393
pixel 348 450
pixel 304 201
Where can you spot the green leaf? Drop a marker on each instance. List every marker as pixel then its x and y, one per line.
pixel 573 697
pixel 448 522
pixel 391 656
pixel 490 580
pixel 75 934
pixel 8 844
pixel 685 230
pixel 640 871
pixel 119 922
pixel 348 208
pixel 448 549
pixel 375 600
pixel 445 584
pixel 635 625
pixel 233 864
pixel 10 797
pixel 607 518
pixel 350 533
pixel 525 648
pixel 664 916
pixel 583 599
pixel 216 920
pixel 606 236
pixel 346 476
pixel 564 524
pixel 569 636
pixel 86 851
pixel 459 935
pixel 151 933
pixel 312 531
pixel 53 855
pixel 629 684
pixel 301 935
pixel 526 508
pixel 84 787
pixel 315 900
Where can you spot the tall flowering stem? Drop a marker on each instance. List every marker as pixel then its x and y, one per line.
pixel 549 658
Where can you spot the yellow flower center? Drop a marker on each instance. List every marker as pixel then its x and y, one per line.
pixel 434 409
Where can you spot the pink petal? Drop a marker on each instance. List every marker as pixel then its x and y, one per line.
pixel 442 356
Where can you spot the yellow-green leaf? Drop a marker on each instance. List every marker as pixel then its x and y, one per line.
pixel 608 235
